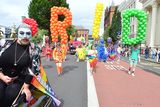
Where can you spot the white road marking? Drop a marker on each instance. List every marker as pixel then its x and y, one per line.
pixel 108 67
pixel 92 95
pixel 115 67
pixel 112 67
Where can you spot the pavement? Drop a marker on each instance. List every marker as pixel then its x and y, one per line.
pixel 116 88
pixel 71 86
pixel 149 59
pixel 147 65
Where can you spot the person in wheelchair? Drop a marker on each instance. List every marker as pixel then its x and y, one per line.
pixel 15 59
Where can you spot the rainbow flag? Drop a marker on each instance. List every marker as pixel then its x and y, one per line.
pixel 42 84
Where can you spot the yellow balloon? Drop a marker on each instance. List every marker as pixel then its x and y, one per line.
pixel 97 20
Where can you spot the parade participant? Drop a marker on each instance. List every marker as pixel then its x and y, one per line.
pixel 119 50
pixel 49 52
pixel 92 54
pixel 77 53
pixel 81 53
pixel 57 56
pixel 14 63
pixel 101 49
pixel 84 50
pixel 134 58
pixel 64 52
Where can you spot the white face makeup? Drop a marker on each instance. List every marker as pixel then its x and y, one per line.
pixel 24 35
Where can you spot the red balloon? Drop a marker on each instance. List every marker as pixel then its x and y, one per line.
pixel 32 23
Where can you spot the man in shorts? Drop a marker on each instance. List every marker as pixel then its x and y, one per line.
pixel 134 58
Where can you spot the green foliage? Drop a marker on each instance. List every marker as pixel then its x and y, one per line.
pixel 119 22
pixel 39 35
pixel 71 31
pixel 40 11
pixel 106 14
pixel 116 26
pixel 106 34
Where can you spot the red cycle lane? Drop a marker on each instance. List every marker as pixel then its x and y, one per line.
pixel 116 88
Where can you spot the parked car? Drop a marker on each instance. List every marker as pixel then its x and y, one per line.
pixel 72 49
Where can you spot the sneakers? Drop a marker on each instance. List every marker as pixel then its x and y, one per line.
pixel 133 74
pixel 129 72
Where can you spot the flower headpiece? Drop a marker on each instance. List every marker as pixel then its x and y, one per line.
pixel 32 23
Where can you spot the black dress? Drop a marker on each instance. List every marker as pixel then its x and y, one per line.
pixel 19 55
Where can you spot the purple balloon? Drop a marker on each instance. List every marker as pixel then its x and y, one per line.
pixel 109 40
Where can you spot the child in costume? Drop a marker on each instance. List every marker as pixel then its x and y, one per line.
pixel 92 55
pixel 58 57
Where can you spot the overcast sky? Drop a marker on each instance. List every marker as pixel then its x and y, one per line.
pixel 82 10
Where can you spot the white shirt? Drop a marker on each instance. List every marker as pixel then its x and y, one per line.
pixel 92 52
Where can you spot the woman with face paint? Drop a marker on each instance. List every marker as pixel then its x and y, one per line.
pixel 14 63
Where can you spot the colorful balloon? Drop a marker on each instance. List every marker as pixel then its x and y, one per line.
pixel 32 23
pixel 141 31
pixel 97 20
pixel 58 28
pixel 109 40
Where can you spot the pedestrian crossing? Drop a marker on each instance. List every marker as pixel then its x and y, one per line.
pixel 115 66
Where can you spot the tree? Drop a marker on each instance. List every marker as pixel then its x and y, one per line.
pixel 106 33
pixel 40 11
pixel 71 31
pixel 39 35
pixel 115 28
pixel 119 23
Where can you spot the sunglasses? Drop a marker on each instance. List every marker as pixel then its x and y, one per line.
pixel 27 33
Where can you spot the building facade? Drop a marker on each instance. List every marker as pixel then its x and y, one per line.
pixel 109 12
pixel 6 31
pixel 82 32
pixel 152 7
pixel 128 4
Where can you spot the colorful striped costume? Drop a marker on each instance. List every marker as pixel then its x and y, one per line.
pixel 92 55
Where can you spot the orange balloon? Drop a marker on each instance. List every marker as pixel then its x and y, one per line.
pixel 60 26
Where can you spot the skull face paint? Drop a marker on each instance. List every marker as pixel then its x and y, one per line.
pixel 24 35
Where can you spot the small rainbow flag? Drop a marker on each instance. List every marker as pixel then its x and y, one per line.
pixel 42 84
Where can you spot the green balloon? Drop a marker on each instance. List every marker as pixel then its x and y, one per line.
pixel 141 30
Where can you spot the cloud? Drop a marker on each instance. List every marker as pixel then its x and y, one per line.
pixel 83 11
pixel 12 10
